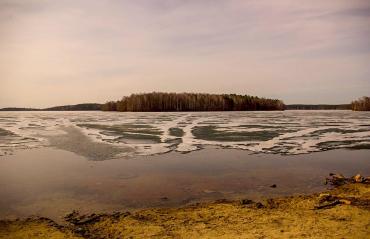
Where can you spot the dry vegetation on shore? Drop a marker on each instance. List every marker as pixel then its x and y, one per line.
pixel 342 212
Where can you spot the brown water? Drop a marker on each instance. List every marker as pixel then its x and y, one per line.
pixel 51 182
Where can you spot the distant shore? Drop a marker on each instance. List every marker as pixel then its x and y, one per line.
pixel 97 107
pixel 197 102
pixel 78 107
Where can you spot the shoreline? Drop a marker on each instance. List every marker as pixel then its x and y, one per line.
pixel 342 211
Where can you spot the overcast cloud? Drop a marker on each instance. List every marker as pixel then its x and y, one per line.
pixel 73 51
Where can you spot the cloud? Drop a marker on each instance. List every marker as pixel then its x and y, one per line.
pixel 72 51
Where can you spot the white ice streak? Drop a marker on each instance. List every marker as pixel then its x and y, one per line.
pixel 189 143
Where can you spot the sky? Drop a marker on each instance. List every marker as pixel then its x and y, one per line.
pixel 75 51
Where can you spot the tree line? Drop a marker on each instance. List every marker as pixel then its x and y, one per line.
pixel 78 107
pixel 362 104
pixel 318 107
pixel 158 101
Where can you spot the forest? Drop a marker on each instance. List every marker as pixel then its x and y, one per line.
pixel 362 104
pixel 318 107
pixel 158 101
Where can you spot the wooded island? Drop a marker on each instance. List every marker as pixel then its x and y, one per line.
pixel 157 101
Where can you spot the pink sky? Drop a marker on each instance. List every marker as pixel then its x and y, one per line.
pixel 73 51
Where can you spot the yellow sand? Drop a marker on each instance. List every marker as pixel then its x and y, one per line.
pixel 290 217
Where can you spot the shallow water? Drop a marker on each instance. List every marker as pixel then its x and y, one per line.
pixel 131 134
pixel 50 182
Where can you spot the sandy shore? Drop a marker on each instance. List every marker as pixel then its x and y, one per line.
pixel 342 212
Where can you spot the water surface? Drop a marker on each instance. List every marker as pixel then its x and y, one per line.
pixel 131 134
pixel 55 162
pixel 50 182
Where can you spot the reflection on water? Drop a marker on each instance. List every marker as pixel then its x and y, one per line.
pixel 131 134
pixel 51 182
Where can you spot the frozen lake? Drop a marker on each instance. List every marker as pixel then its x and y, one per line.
pixel 131 134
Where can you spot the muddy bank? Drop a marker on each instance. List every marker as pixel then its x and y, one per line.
pixel 342 212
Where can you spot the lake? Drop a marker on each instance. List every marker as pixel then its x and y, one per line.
pixel 54 162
